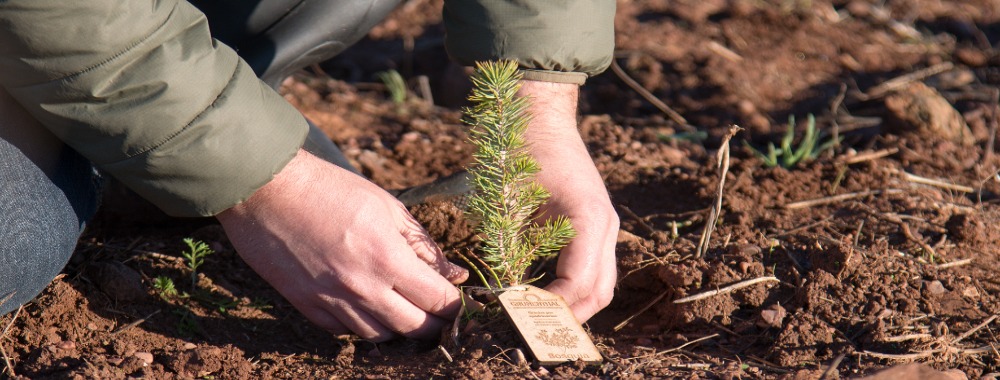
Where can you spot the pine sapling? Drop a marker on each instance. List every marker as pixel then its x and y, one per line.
pixel 506 196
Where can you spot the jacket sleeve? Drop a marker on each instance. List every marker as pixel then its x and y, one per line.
pixel 141 89
pixel 553 40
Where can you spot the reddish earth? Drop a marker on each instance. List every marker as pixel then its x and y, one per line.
pixel 896 269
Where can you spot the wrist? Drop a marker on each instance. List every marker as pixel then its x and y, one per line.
pixel 285 181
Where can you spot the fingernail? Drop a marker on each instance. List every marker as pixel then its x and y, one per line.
pixel 456 274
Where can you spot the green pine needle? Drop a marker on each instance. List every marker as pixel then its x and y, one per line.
pixel 507 196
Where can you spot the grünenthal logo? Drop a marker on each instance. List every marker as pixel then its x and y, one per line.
pixel 534 301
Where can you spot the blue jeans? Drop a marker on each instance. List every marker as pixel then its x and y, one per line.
pixel 41 218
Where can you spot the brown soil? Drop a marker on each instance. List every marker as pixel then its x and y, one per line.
pixel 876 278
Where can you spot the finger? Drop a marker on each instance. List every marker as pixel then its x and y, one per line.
pixel 325 320
pixel 425 248
pixel 586 280
pixel 356 320
pixel 405 318
pixel 425 287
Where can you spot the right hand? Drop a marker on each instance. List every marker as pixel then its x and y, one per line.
pixel 345 253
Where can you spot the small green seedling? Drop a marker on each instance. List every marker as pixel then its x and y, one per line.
pixel 395 84
pixel 195 256
pixel 165 286
pixel 787 156
pixel 506 196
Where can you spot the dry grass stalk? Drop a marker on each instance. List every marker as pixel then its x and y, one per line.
pixel 868 156
pixel 3 334
pixel 837 198
pixel 134 323
pixel 833 367
pixel 908 337
pixel 936 183
pixel 956 263
pixel 974 329
pixel 728 289
pixel 673 115
pixel 722 163
pixel 643 310
pixel 637 218
pixel 724 52
pixel 928 353
pixel 902 80
pixel 678 348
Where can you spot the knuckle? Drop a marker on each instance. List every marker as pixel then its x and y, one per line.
pixel 603 297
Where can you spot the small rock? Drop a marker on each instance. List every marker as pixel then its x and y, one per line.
pixel 146 357
pixel 971 292
pixel 66 345
pixel 542 372
pixel 936 288
pixel 115 360
pixel 772 316
pixel 190 346
pixel 91 326
pixel 644 342
pixel 519 358
pixel 117 280
pixel 922 110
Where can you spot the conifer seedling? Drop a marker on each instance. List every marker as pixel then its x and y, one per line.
pixel 506 196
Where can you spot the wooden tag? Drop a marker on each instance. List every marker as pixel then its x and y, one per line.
pixel 547 325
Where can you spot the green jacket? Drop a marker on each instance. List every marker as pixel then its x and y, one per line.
pixel 142 90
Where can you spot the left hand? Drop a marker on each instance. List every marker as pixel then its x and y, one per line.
pixel 586 271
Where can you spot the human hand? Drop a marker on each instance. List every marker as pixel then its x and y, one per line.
pixel 586 271
pixel 345 253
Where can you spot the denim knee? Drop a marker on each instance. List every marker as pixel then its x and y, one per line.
pixel 41 218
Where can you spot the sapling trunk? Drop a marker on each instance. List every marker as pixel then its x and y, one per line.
pixel 506 196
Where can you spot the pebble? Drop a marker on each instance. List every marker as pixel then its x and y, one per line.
pixel 66 345
pixel 115 360
pixel 146 357
pixel 936 288
pixel 190 346
pixel 519 358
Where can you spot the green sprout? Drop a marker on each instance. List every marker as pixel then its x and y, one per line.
pixel 788 156
pixel 195 255
pixel 506 195
pixel 395 84
pixel 165 286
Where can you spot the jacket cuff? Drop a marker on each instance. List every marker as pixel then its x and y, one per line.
pixel 568 36
pixel 554 76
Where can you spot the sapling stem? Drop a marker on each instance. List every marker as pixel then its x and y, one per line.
pixel 506 196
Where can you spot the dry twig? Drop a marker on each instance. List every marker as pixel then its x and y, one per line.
pixel 643 310
pixel 637 218
pixel 673 115
pixel 3 334
pixel 868 156
pixel 833 367
pixel 728 289
pixel 722 158
pixel 134 323
pixel 837 198
pixel 956 263
pixel 903 80
pixel 678 348
pixel 936 183
pixel 974 329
